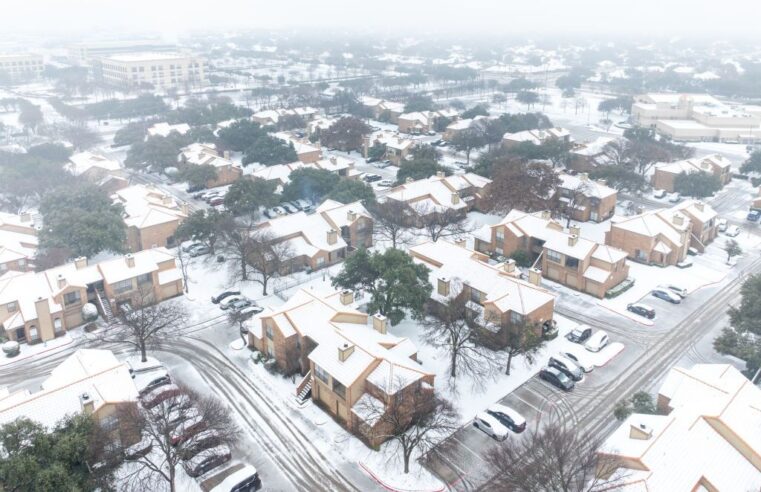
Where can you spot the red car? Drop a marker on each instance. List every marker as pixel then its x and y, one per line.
pixel 217 201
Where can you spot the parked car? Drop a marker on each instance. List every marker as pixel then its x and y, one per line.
pixel 250 311
pixel 659 193
pixel 269 213
pixel 675 197
pixel 370 178
pixel 279 210
pixel 564 365
pixel 507 417
pixel 580 334
pixel 721 225
pixel 139 449
pixel 187 429
pixel 302 204
pixel 137 366
pixel 309 209
pixel 733 231
pixel 147 381
pixel 597 341
pixel 577 355
pixel 222 295
pixel 289 208
pixel 294 205
pixel 186 248
pixel 199 251
pixel 667 295
pixel 209 195
pixel 386 183
pixel 240 305
pixel 754 215
pixel 556 378
pixel 206 460
pixel 224 304
pixel 203 440
pixel 680 291
pixel 162 393
pixel 383 164
pixel 490 426
pixel 641 309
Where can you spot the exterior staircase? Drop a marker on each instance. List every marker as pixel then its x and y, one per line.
pixel 304 390
pixel 104 305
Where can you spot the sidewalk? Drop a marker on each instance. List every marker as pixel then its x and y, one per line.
pixel 43 349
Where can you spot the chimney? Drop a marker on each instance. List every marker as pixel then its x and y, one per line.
pixel 333 160
pixel 166 200
pixel 535 276
pixel 332 236
pixel 379 323
pixel 642 432
pixel 185 209
pixel 87 403
pixel 442 286
pixel 602 182
pixel 440 174
pixel 344 351
pixel 584 176
pixel 455 198
pixel 226 154
pixel 461 242
pixel 509 265
pixel 61 281
pixel 575 230
pixel 130 260
pixel 347 297
pixel 573 239
pixel 25 217
pixel 700 206
pixel 546 214
pixel 80 262
pixel 409 179
pixel 678 219
pixel 351 216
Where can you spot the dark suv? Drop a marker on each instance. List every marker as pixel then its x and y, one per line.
pixel 556 378
pixel 580 334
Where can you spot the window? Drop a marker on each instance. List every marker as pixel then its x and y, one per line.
pixel 123 286
pixel 57 325
pixel 516 318
pixel 12 307
pixel 554 256
pixel 145 279
pixel 321 374
pixel 269 332
pixel 71 298
pixel 339 389
pixel 475 295
pixel 500 236
pixel 572 263
pixel 33 334
pixel 3 267
pixel 320 261
pixel 22 263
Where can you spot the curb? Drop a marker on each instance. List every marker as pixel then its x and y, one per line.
pixel 17 359
pixel 390 488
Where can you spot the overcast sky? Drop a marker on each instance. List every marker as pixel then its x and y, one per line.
pixel 645 17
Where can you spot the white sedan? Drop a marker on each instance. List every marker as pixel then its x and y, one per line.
pixel 733 231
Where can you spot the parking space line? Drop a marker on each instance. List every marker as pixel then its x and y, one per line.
pixel 451 465
pixel 469 450
pixel 529 404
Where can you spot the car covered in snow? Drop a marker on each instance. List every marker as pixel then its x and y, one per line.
pixel 206 460
pixel 508 417
pixel 732 231
pixel 667 295
pixel 580 334
pixel 489 425
pixel 598 341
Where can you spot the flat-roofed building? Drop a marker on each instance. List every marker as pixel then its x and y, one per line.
pixel 160 70
pixel 21 66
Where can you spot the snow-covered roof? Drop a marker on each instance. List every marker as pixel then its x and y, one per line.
pixel 146 261
pixel 146 206
pixel 697 210
pixel 300 147
pixel 200 154
pixel 94 373
pixel 274 115
pixel 280 172
pixel 588 187
pixel 84 161
pixel 710 437
pixel 436 192
pixel 164 129
pixel 705 164
pixel 593 148
pixel 18 237
pixel 654 223
pixel 537 137
pixel 464 266
pixel 391 139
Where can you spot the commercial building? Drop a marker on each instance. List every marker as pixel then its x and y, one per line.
pixel 159 70
pixel 21 66
pixel 350 362
pixel 37 307
pixel 499 300
pixel 18 242
pixel 697 117
pixel 586 199
pixel 201 154
pixel 704 438
pixel 151 216
pixel 565 257
pixel 714 164
pixel 84 53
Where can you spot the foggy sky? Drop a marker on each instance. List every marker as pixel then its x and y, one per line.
pixel 172 17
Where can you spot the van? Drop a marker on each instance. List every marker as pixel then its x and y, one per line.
pixel 566 365
pixel 490 426
pixel 597 342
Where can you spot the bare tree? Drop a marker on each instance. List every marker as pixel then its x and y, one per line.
pixel 268 257
pixel 568 202
pixel 554 459
pixel 520 339
pixel 237 244
pixel 414 419
pixel 174 427
pixel 145 323
pixel 439 223
pixel 183 260
pixel 391 222
pixel 453 328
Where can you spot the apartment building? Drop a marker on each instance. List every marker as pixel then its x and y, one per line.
pixel 398 148
pixel 164 129
pixel 349 360
pixel 420 122
pixel 203 154
pixel 94 167
pixel 536 137
pixel 564 256
pixel 705 437
pixel 18 242
pixel 90 381
pixel 21 66
pixel 280 173
pixel 381 109
pixel 697 117
pixel 662 237
pixel 319 124
pixel 159 69
pixel 151 216
pixel 499 299
pixel 457 127
pixel 586 199
pixel 714 164
pixel 589 155
pixel 438 194
pixel 272 116
pixel 322 238
pixel 305 151
pixel 37 307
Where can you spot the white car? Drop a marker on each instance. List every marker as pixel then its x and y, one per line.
pixel 659 193
pixel 597 342
pixel 680 291
pixel 227 301
pixel 490 426
pixel 577 355
pixel 722 225
pixel 667 295
pixel 385 183
pixel 733 231
pixel 675 197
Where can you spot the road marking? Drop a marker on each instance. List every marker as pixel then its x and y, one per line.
pixel 470 450
pixel 529 404
pixel 541 396
pixel 462 474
